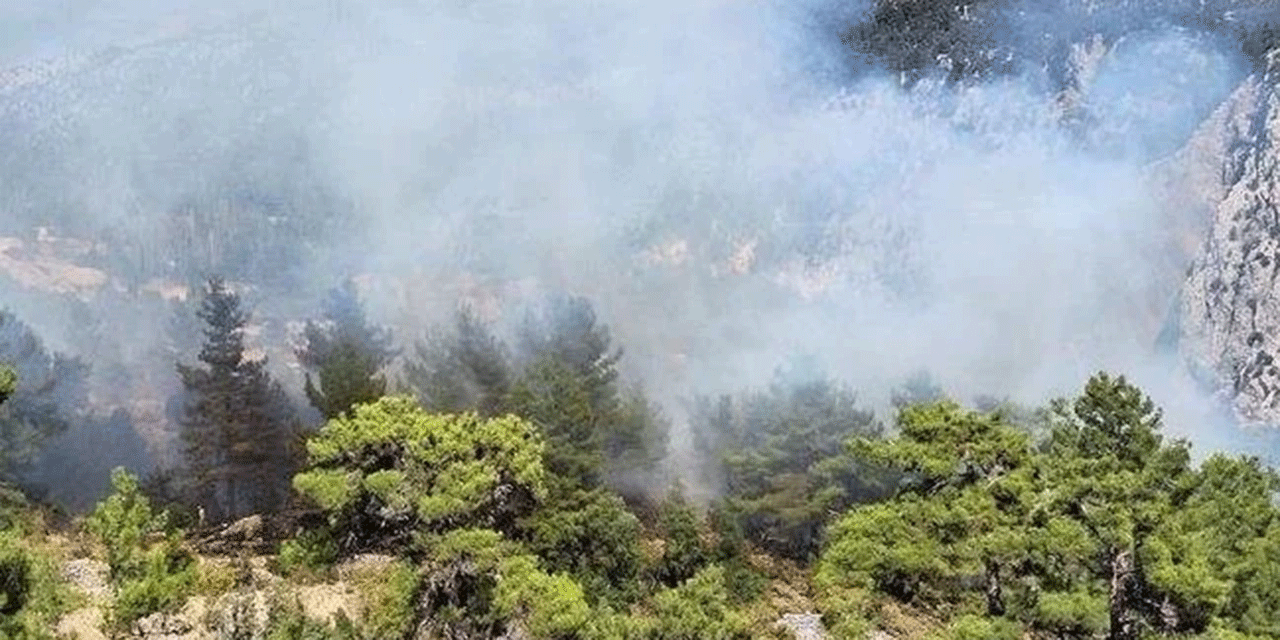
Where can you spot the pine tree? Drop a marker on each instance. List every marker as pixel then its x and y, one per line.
pixel 568 333
pixel 569 387
pixel 781 457
pixel 464 368
pixel 237 424
pixel 43 394
pixel 563 377
pixel 346 353
pixel 683 552
pixel 1117 477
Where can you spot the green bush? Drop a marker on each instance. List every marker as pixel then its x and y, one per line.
pixel 971 627
pixel 15 510
pixel 122 522
pixel 393 470
pixel 549 606
pixel 15 580
pixel 308 556
pixel 478 584
pixel 744 582
pixel 390 593
pixel 591 536
pixel 607 624
pixel 699 609
pixel 166 578
pixel 32 597
pixel 683 553
pixel 149 575
pixel 287 621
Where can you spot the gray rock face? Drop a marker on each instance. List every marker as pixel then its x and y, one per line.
pixel 1229 329
pixel 804 626
pixel 90 577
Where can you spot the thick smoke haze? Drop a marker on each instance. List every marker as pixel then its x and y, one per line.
pixel 724 181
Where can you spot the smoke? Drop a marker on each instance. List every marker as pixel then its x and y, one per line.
pixel 719 178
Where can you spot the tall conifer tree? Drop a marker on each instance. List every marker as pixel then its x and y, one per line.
pixel 238 424
pixel 345 353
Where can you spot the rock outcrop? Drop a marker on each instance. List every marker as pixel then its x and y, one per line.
pixel 1229 319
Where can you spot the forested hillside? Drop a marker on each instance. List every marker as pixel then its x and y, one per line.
pixel 687 320
pixel 493 493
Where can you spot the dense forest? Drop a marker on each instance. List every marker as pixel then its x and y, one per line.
pixel 584 448
pixel 499 480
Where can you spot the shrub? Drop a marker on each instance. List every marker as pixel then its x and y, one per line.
pixel 971 627
pixel 591 536
pixel 32 597
pixel 122 522
pixel 549 606
pixel 308 556
pixel 699 609
pixel 149 576
pixel 392 470
pixel 287 621
pixel 390 593
pixel 166 577
pixel 216 578
pixel 683 554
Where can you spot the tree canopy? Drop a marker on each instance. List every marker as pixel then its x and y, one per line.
pixel 562 377
pixel 1105 529
pixel 783 464
pixel 8 382
pixel 237 424
pixel 392 470
pixel 43 393
pixel 346 353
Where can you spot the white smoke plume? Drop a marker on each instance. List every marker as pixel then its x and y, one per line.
pixel 719 178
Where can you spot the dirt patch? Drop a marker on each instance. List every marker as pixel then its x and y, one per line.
pixel 321 602
pixel 361 564
pixel 804 626
pixel 42 270
pixel 82 624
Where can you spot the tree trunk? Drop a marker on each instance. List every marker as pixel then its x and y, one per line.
pixel 1123 624
pixel 995 596
pixel 1170 621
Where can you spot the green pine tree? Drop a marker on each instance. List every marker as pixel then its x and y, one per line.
pixel 238 426
pixel 44 393
pixel 346 354
pixel 462 368
pixel 1113 473
pixel 783 463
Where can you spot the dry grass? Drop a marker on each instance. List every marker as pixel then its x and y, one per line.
pixel 905 623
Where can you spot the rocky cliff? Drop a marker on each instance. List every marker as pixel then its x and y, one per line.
pixel 1229 315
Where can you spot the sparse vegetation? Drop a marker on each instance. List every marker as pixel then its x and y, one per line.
pixel 32 595
pixel 150 568
pixel 309 556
